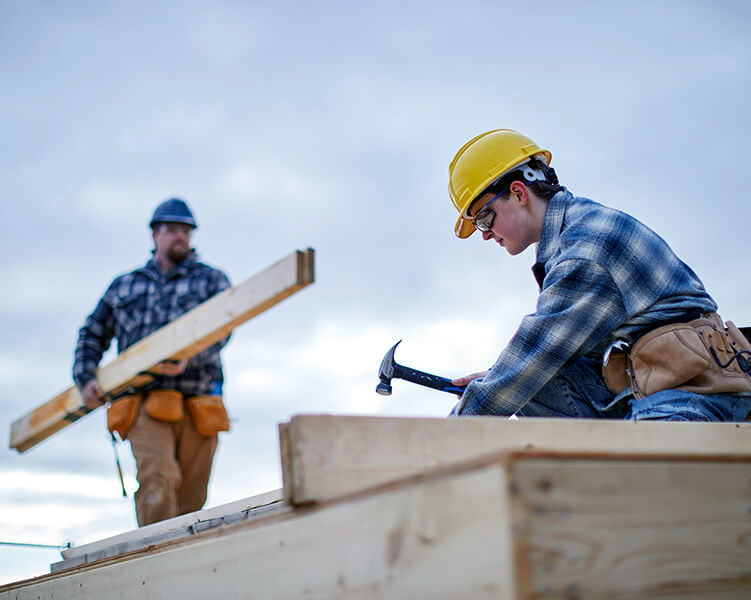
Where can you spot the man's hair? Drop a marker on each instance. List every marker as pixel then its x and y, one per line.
pixel 544 189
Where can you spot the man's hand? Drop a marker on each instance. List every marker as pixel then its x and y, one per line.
pixel 91 394
pixel 170 368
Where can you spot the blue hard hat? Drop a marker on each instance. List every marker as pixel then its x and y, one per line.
pixel 173 210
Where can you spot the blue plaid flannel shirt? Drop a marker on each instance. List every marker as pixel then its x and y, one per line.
pixel 603 276
pixel 140 302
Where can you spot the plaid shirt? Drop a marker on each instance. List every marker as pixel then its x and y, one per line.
pixel 140 302
pixel 603 276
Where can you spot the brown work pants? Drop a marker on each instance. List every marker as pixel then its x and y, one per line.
pixel 174 464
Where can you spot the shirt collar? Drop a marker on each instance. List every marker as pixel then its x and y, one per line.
pixel 552 223
pixel 154 267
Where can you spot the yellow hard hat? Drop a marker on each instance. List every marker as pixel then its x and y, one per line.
pixel 481 161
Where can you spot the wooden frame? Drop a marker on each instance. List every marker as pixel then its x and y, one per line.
pixel 184 337
pixel 326 456
pixel 508 525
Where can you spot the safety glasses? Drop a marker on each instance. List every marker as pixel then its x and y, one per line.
pixel 483 219
pixel 178 228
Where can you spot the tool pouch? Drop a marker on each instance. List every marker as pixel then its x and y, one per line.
pixel 615 372
pixel 122 413
pixel 165 405
pixel 209 415
pixel 680 356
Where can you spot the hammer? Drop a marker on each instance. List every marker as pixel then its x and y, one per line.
pixel 390 369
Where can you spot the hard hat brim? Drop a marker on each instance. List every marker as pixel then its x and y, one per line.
pixel 175 219
pixel 463 228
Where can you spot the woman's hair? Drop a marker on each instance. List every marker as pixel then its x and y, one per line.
pixel 544 189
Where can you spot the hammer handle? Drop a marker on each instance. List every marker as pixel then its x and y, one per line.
pixel 428 380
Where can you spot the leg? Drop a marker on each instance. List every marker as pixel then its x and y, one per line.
pixel 195 454
pixel 678 405
pixel 577 391
pixel 153 445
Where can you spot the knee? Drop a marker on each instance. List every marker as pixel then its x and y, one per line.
pixel 158 471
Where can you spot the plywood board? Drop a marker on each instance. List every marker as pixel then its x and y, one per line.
pixel 194 331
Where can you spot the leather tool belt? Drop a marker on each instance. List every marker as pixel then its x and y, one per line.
pixel 165 405
pixel 208 412
pixel 703 356
pixel 122 413
pixel 209 415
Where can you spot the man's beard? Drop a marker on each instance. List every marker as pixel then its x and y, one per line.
pixel 178 252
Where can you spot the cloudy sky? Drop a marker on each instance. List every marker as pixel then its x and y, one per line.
pixel 330 125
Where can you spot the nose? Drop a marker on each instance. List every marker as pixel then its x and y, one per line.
pixel 486 235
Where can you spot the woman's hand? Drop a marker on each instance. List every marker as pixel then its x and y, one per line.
pixel 467 378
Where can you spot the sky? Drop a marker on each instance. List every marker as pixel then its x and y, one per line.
pixel 330 125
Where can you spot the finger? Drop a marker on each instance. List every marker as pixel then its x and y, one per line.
pixel 466 379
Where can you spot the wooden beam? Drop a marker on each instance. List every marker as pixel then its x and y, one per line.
pixel 184 337
pixel 176 528
pixel 327 456
pixel 408 542
pixel 508 525
pixel 632 528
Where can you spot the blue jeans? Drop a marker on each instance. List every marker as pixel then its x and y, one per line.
pixel 580 392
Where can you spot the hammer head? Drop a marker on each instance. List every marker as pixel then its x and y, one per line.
pixel 386 372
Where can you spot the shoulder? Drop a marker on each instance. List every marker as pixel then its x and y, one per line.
pixel 127 284
pixel 205 271
pixel 615 241
pixel 602 231
pixel 587 214
pixel 203 267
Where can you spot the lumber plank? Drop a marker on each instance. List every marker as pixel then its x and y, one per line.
pixel 507 525
pixel 176 528
pixel 175 523
pixel 184 337
pixel 328 456
pixel 408 542
pixel 594 528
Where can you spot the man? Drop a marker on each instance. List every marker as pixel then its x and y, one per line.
pixel 612 293
pixel 172 456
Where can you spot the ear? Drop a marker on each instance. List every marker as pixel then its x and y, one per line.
pixel 520 190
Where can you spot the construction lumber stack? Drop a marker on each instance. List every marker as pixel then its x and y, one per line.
pixel 466 508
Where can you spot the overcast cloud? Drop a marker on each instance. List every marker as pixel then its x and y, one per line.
pixel 330 125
